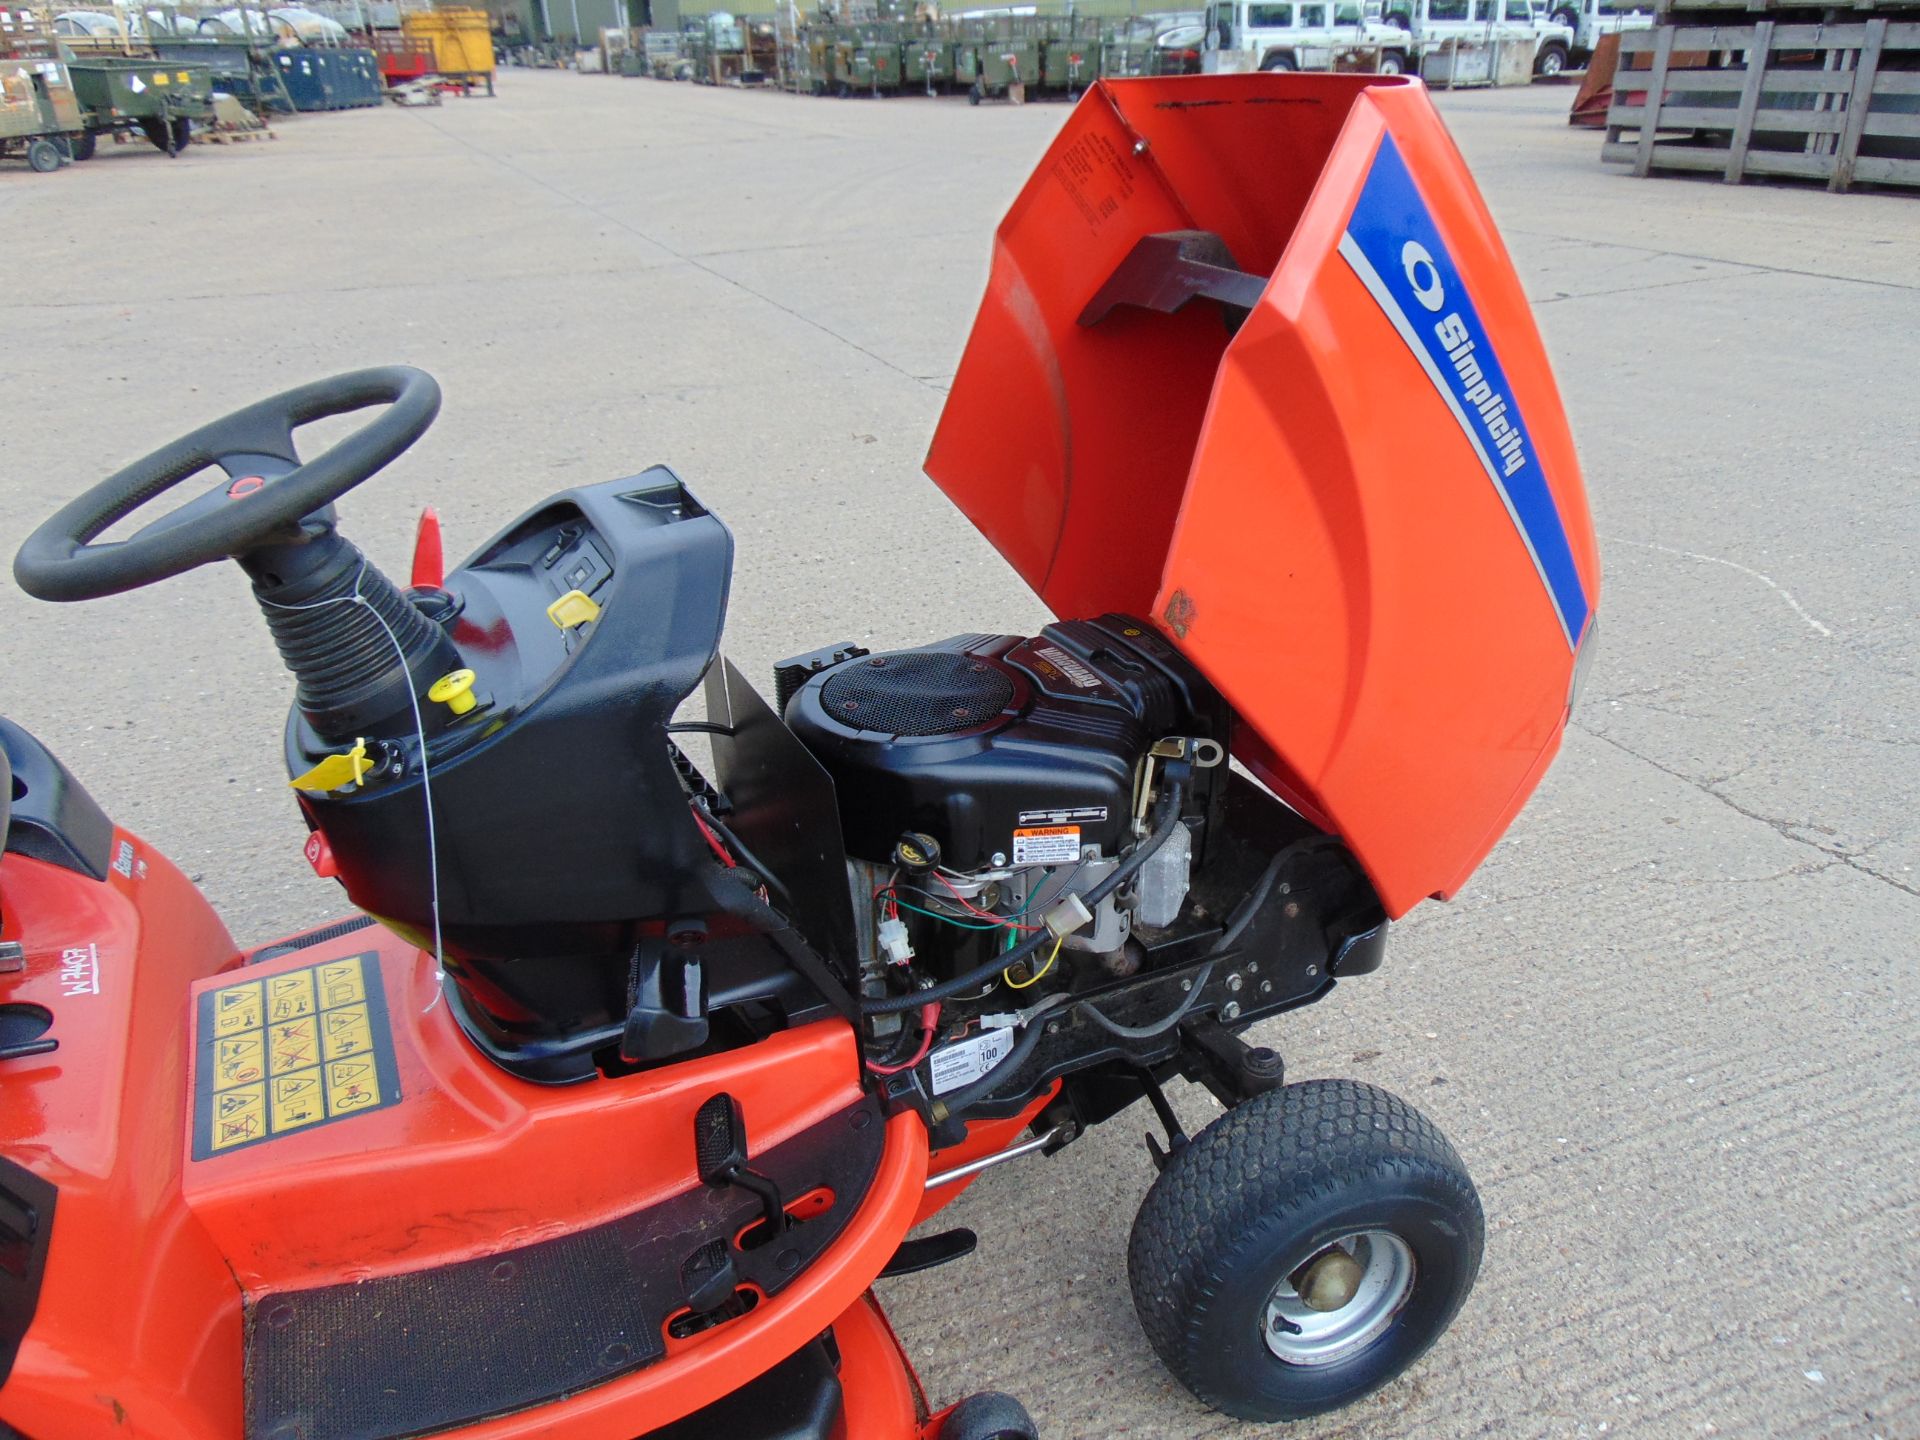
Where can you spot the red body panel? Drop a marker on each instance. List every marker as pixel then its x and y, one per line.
pixel 880 1392
pixel 1296 504
pixel 137 1316
pixel 138 1328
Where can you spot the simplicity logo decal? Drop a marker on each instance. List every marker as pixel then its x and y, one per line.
pixel 1393 246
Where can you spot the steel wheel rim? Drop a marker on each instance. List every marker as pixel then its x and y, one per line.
pixel 1296 1334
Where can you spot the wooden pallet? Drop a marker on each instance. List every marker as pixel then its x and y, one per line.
pixel 1777 99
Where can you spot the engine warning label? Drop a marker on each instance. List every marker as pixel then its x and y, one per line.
pixel 291 1051
pixel 1047 845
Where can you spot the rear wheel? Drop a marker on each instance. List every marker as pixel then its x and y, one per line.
pixel 1277 62
pixel 43 156
pixel 182 135
pixel 83 144
pixel 976 94
pixel 1304 1249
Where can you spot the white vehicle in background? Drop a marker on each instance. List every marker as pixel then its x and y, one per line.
pixel 1299 35
pixel 1481 22
pixel 1590 19
pixel 1556 39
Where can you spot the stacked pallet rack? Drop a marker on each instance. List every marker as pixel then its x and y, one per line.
pixel 1743 88
pixel 696 49
pixel 762 38
pixel 663 54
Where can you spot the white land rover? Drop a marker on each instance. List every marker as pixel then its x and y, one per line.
pixel 1299 35
pixel 1590 19
pixel 1481 22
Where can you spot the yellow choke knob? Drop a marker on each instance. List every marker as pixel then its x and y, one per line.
pixel 335 771
pixel 455 691
pixel 576 607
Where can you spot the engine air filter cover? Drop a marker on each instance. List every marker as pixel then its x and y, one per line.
pixel 918 693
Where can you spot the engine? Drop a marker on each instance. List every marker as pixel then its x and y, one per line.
pixel 984 780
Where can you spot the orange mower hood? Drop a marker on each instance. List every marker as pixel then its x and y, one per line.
pixel 1253 361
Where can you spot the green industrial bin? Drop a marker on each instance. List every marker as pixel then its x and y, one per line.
pixel 158 98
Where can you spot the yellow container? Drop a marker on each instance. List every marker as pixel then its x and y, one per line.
pixel 461 37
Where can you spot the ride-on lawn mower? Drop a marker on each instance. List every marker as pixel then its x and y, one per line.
pixel 658 1027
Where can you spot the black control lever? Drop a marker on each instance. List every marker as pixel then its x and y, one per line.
pixel 927 1251
pixel 666 1004
pixel 720 1154
pixel 708 1278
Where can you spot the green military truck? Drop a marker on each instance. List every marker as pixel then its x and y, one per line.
pixel 39 116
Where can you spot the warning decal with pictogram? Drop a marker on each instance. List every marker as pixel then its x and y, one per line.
pixel 290 1052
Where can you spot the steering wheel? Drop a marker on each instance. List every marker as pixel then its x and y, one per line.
pixel 267 487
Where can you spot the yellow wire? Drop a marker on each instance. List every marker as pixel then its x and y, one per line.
pixel 1034 979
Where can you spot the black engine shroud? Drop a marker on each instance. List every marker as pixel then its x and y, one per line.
pixel 982 740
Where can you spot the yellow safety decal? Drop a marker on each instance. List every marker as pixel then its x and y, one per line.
pixel 289 1052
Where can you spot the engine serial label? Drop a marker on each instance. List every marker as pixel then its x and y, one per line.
pixel 1065 815
pixel 291 1051
pixel 1047 845
pixel 965 1061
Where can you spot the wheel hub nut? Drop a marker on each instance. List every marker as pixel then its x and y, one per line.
pixel 1329 1280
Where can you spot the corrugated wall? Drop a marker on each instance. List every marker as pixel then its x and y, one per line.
pixel 555 19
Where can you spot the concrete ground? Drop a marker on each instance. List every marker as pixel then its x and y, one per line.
pixel 1670 1024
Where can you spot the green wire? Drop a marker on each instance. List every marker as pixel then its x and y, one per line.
pixel 960 924
pixel 1009 924
pixel 1013 935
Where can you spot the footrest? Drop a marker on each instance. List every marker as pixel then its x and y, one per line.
pixel 411 1354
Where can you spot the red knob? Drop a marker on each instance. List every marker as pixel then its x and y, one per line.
pixel 320 856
